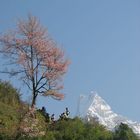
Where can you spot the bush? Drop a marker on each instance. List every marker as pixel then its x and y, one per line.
pixel 76 129
pixel 11 110
pixel 8 94
pixel 123 132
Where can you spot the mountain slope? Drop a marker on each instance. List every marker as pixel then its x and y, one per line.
pixel 102 112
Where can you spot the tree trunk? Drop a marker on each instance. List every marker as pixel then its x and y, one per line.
pixel 33 100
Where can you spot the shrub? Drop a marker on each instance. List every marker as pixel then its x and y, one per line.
pixel 8 94
pixel 123 132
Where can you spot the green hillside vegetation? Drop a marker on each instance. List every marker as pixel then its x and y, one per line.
pixel 11 109
pixel 16 123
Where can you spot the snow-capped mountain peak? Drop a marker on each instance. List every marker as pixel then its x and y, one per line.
pixel 102 112
pixel 99 103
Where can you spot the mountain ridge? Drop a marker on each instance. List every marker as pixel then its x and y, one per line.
pixel 102 112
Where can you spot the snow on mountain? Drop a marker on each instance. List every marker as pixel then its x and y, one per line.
pixel 101 111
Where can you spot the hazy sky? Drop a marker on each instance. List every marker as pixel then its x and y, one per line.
pixel 102 39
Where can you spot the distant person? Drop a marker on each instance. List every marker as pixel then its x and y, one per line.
pixel 52 118
pixel 67 112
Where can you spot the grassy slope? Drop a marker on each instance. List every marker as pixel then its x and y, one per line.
pixel 9 119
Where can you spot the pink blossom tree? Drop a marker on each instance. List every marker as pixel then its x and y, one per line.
pixel 40 63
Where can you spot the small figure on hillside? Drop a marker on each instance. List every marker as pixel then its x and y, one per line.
pixel 60 116
pixel 64 115
pixel 67 112
pixel 45 114
pixel 47 117
pixel 52 118
pixel 43 109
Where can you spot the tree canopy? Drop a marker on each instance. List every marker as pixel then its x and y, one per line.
pixel 39 61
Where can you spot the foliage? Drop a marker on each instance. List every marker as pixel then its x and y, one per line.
pixel 15 117
pixel 9 120
pixel 8 94
pixel 41 64
pixel 32 126
pixel 12 110
pixel 123 132
pixel 76 129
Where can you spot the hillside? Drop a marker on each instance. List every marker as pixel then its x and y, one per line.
pixel 16 123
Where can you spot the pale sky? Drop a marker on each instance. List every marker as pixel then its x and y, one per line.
pixel 102 40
